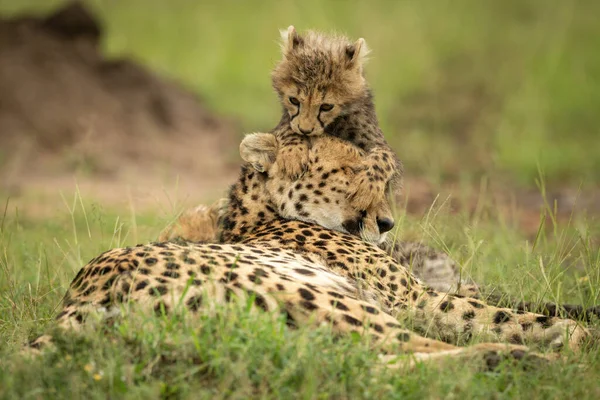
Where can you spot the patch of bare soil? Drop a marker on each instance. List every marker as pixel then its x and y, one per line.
pixel 67 115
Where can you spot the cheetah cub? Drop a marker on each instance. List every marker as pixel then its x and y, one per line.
pixel 322 89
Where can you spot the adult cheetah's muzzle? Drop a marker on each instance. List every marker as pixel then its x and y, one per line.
pixel 385 224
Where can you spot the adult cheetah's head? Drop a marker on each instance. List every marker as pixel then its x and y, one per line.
pixel 319 78
pixel 320 195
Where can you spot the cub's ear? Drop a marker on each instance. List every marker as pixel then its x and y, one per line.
pixel 356 54
pixel 260 150
pixel 290 40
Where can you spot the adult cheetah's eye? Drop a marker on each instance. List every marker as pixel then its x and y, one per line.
pixel 294 101
pixel 326 107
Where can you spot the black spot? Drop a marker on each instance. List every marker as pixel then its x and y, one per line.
pixel 336 295
pixel 205 270
pixel 141 285
pixel 309 305
pixel 306 294
pixel 516 339
pixel 255 279
pixel 339 305
pixel 501 317
pixel 260 301
pixel 377 327
pixel 370 309
pixel 475 304
pixel 403 337
pixel 260 272
pixel 446 306
pixel 492 360
pixel 150 261
pixel 229 295
pixel 172 266
pixel 304 271
pixel 79 317
pixel 351 320
pixel 545 321
pixel 468 315
pixel 161 308
pixel 229 277
pixel 194 302
pixel 158 290
pixel 171 274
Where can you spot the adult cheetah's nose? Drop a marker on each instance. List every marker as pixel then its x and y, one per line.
pixel 305 131
pixel 385 224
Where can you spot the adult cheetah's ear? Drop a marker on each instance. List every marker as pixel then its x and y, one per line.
pixel 260 150
pixel 356 54
pixel 290 39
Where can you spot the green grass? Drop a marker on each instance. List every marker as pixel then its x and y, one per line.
pixel 462 87
pixel 237 355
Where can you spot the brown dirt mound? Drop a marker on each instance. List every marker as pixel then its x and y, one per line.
pixel 66 109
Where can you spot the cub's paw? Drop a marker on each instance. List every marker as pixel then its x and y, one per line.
pixel 366 190
pixel 293 160
pixel 259 149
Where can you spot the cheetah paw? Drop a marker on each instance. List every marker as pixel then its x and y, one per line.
pixel 365 191
pixel 293 161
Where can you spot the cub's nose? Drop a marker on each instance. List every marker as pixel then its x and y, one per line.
pixel 385 224
pixel 306 131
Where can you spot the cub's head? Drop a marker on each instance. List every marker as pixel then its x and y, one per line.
pixel 319 78
pixel 321 194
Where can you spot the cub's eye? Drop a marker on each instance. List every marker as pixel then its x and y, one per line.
pixel 294 101
pixel 326 107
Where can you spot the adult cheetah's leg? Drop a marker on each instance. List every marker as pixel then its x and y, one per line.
pixel 451 318
pixel 437 270
pixel 347 314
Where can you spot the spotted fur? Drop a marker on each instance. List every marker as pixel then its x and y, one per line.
pixel 322 89
pixel 311 273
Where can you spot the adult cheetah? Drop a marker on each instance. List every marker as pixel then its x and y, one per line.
pixel 310 273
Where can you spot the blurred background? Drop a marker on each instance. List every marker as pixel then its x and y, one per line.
pixel 134 100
